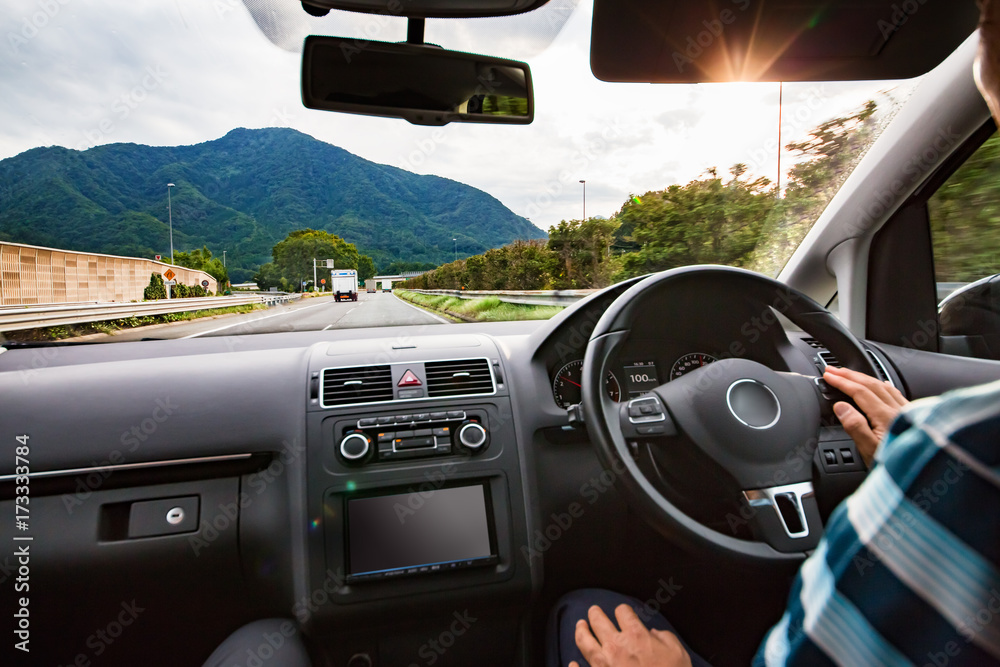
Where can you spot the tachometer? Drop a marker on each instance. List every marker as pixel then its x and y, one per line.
pixel 690 362
pixel 567 386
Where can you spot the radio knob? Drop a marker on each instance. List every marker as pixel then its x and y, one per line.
pixel 355 446
pixel 472 435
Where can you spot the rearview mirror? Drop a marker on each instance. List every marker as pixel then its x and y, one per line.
pixel 425 85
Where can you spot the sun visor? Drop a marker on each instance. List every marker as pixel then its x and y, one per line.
pixel 693 41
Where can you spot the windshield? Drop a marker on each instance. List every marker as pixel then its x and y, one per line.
pixel 155 152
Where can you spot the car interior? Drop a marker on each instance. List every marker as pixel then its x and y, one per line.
pixel 423 495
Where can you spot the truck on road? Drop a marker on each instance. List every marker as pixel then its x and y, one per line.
pixel 344 284
pixel 386 285
pixel 371 285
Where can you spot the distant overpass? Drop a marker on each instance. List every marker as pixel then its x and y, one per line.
pixel 397 277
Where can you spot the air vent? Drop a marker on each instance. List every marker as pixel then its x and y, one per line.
pixel 464 377
pixel 362 384
pixel 829 359
pixel 813 343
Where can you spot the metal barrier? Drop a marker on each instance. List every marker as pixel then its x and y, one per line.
pixel 524 297
pixel 15 318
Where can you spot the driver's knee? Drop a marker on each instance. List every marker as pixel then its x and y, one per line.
pixel 561 646
pixel 275 642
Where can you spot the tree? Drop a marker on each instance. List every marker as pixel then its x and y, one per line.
pixel 294 255
pixel 202 260
pixel 366 268
pixel 583 248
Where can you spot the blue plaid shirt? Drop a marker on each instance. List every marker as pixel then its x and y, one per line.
pixel 908 571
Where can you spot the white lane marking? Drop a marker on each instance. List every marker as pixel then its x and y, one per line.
pixel 436 317
pixel 328 326
pixel 258 319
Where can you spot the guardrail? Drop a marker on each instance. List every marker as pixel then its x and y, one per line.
pixel 16 318
pixel 524 297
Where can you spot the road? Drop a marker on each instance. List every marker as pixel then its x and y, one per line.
pixel 370 310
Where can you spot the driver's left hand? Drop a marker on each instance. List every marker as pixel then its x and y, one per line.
pixel 634 646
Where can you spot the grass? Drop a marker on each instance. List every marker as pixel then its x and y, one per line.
pixel 112 326
pixel 487 309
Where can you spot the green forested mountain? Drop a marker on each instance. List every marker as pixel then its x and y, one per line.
pixel 243 193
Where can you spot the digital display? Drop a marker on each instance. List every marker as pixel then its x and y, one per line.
pixel 641 378
pixel 422 531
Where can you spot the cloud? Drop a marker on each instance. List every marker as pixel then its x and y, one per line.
pixel 190 71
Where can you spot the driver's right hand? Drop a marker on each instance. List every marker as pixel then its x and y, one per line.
pixel 879 401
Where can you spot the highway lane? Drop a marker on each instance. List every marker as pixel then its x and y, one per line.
pixel 370 310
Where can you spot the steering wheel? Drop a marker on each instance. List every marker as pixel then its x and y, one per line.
pixel 753 422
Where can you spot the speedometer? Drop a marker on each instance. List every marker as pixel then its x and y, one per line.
pixel 567 386
pixel 690 362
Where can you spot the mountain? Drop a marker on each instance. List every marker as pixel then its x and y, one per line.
pixel 243 193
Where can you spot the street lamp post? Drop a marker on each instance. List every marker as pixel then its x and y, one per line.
pixel 456 249
pixel 223 259
pixel 170 217
pixel 584 200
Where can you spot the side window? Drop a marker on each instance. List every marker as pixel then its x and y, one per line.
pixel 965 233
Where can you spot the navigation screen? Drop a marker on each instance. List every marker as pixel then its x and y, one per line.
pixel 422 531
pixel 640 378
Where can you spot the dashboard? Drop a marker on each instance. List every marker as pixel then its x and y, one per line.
pixel 337 478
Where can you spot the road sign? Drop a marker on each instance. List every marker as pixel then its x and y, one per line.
pixel 323 281
pixel 169 282
pixel 169 274
pixel 204 283
pixel 157 258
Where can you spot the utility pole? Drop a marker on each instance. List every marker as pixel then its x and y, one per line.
pixel 456 249
pixel 223 259
pixel 170 216
pixel 584 200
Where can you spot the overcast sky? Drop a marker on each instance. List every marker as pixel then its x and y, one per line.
pixel 79 73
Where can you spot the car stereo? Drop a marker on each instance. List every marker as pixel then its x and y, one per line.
pixel 419 531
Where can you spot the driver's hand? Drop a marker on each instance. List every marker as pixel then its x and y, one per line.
pixel 880 401
pixel 604 646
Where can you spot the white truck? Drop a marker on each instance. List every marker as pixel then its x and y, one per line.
pixel 344 284
pixel 386 285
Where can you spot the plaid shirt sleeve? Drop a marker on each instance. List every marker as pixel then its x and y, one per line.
pixel 907 573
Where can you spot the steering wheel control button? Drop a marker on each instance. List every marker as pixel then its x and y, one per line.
pixel 753 404
pixel 472 435
pixel 355 446
pixel 830 457
pixel 168 516
pixel 646 410
pixel 847 456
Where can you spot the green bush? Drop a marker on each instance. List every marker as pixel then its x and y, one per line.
pixel 156 289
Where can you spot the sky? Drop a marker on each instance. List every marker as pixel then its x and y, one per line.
pixel 80 73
